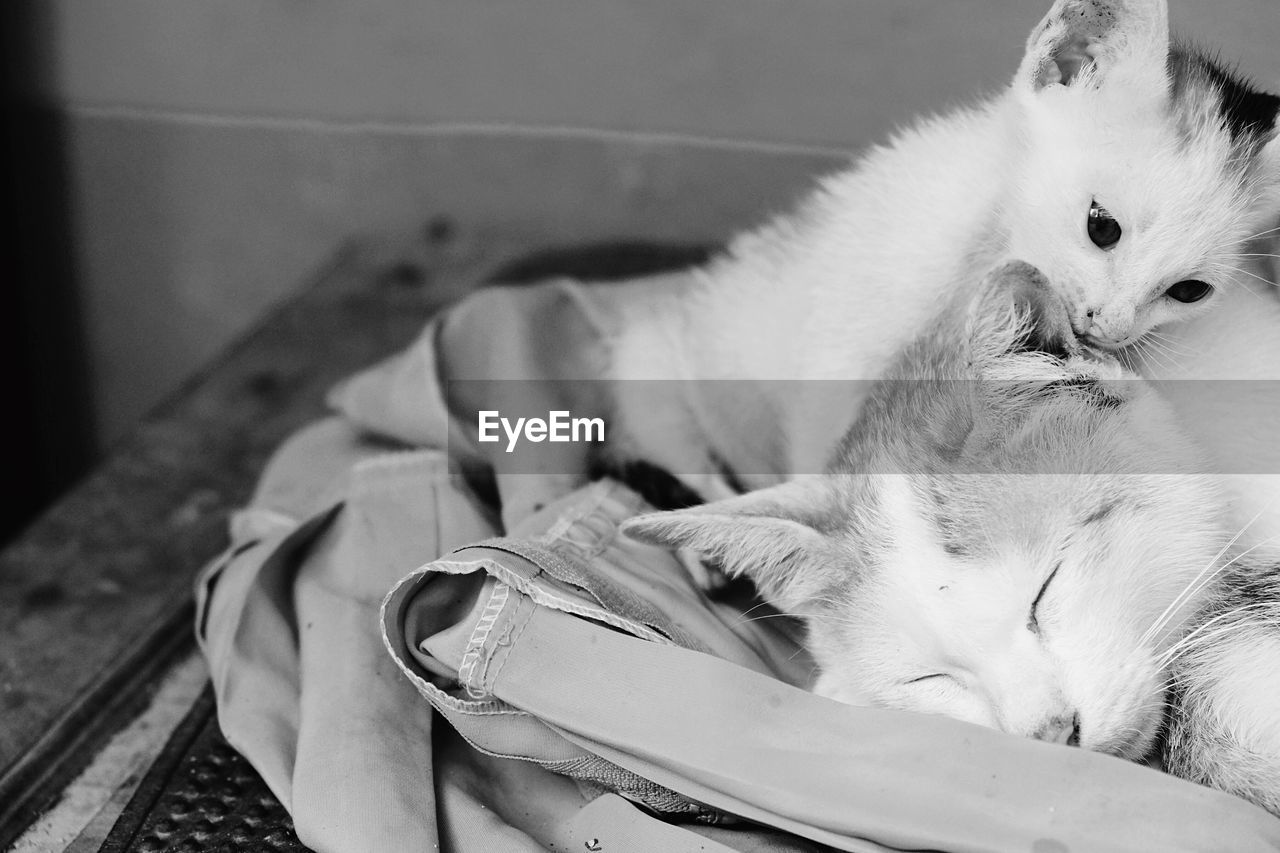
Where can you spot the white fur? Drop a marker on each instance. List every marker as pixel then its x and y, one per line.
pixel 838 289
pixel 915 570
pixel 833 290
pixel 1225 729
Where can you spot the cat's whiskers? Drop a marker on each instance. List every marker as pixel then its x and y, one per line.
pixel 1180 600
pixel 826 617
pixel 1209 579
pixel 1161 346
pixel 1228 274
pixel 1200 642
pixel 1256 236
pixel 1148 354
pixel 1230 270
pixel 1177 351
pixel 1181 347
pixel 1200 636
pixel 1141 353
pixel 764 616
pixel 743 614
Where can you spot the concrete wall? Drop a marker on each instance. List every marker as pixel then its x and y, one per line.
pixel 217 153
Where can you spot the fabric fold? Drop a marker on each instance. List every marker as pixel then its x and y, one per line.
pixel 403 680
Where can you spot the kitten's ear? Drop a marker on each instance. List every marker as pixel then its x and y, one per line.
pixel 769 535
pixel 1269 157
pixel 1079 35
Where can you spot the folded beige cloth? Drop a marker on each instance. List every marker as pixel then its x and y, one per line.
pixel 564 689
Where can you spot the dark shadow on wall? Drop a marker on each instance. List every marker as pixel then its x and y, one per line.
pixel 44 379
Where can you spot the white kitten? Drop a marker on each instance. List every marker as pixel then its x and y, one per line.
pixel 1003 537
pixel 1137 174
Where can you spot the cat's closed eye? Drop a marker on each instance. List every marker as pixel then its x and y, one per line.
pixel 1033 623
pixel 1103 228
pixel 927 677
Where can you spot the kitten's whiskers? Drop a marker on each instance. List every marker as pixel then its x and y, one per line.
pixel 1180 600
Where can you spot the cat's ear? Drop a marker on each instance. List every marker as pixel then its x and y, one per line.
pixel 1080 37
pixel 1269 158
pixel 771 535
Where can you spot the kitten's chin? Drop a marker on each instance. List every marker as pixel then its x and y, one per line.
pixel 1134 740
pixel 1138 745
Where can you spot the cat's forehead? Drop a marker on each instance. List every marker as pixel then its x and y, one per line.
pixel 1032 503
pixel 1123 143
pixel 1125 157
pixel 979 519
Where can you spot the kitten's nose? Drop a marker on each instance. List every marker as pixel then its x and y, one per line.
pixel 1082 322
pixel 1060 728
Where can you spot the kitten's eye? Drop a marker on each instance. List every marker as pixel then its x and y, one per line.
pixel 1033 624
pixel 1104 231
pixel 927 677
pixel 1189 291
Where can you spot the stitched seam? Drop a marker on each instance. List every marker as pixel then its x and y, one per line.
pixel 472 707
pixel 453 567
pixel 567 520
pixel 435 695
pixel 511 648
pixel 545 598
pixel 475 652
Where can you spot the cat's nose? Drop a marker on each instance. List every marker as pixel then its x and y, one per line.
pixel 1060 728
pixel 1083 322
pixel 1108 330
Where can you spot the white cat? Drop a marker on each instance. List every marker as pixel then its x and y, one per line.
pixel 1144 181
pixel 1137 174
pixel 1005 536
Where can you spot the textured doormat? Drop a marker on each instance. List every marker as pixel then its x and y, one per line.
pixel 202 796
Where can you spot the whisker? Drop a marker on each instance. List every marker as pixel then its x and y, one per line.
pixel 1229 273
pixel 1258 235
pixel 1162 348
pixel 821 616
pixel 1230 562
pixel 1174 346
pixel 1198 636
pixel 1260 278
pixel 1197 640
pixel 1178 601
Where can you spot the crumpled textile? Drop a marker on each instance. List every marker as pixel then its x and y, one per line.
pixel 406 677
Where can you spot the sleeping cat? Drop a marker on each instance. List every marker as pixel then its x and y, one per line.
pixel 1013 533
